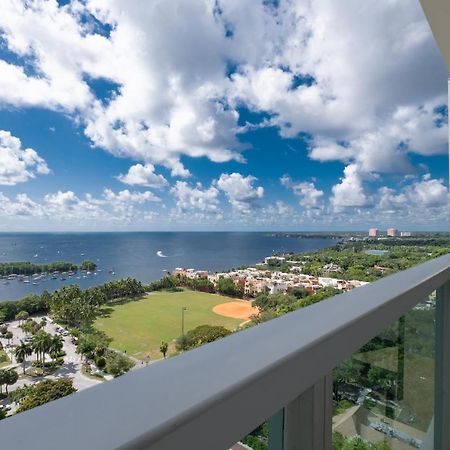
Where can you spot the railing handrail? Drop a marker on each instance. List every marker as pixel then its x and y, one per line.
pixel 210 397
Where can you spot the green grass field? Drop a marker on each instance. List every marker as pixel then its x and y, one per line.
pixel 139 326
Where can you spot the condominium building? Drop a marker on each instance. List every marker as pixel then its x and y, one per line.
pixel 392 232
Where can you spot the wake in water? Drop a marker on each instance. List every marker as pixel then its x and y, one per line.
pixel 161 254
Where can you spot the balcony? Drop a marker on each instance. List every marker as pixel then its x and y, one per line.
pixel 209 398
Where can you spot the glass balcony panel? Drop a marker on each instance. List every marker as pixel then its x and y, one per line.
pixel 383 396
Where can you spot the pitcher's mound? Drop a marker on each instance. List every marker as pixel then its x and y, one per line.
pixel 237 310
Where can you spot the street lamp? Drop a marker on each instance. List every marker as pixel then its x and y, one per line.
pixel 183 309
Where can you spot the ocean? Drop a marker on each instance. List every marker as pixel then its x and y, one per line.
pixel 146 256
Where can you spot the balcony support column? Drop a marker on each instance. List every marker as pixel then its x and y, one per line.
pixel 307 420
pixel 442 369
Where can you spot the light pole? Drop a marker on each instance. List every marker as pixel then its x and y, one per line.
pixel 183 309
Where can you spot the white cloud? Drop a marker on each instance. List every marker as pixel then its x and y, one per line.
pixel 143 176
pixel 310 196
pixel 18 164
pixel 428 192
pixel 66 205
pixel 366 88
pixel 190 198
pixel 240 191
pixel 127 196
pixel 21 206
pixel 349 192
pixel 180 72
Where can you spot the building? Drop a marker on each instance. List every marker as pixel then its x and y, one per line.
pixel 373 232
pixel 405 234
pixel 392 232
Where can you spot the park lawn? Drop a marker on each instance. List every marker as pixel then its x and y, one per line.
pixel 138 327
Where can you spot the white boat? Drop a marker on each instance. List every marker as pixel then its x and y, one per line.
pixel 161 254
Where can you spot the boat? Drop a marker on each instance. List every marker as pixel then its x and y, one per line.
pixel 35 283
pixel 62 279
pixel 35 256
pixel 161 254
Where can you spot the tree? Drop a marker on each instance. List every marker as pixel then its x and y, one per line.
pixel 8 336
pixel 201 335
pixel 41 342
pixel 21 316
pixel 226 286
pixel 21 352
pixel 11 377
pixel 117 364
pixel 90 344
pixel 163 348
pixel 44 392
pixel 3 378
pixel 55 347
pixel 88 265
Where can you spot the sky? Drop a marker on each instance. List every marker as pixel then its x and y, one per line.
pixel 221 115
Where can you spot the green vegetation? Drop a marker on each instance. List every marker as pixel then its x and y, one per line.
pixel 356 443
pixel 117 364
pixel 28 268
pixel 7 377
pixel 163 348
pixel 200 335
pixel 342 406
pixel 4 360
pixel 355 264
pixel 275 305
pixel 139 327
pixel 43 392
pixel 88 265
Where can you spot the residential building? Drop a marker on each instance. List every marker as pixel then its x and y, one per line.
pixel 373 232
pixel 392 232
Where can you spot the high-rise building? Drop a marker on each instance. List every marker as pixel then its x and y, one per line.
pixel 392 232
pixel 405 234
pixel 373 232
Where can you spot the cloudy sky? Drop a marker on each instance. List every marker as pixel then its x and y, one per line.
pixel 221 115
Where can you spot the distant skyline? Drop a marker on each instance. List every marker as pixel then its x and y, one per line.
pixel 215 115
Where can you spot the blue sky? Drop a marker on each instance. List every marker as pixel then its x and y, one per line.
pixel 211 115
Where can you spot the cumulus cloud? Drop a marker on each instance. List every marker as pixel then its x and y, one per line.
pixel 428 192
pixel 241 193
pixel 314 67
pixel 143 176
pixel 319 69
pixel 21 206
pixel 310 196
pixel 196 197
pixel 18 164
pixel 349 192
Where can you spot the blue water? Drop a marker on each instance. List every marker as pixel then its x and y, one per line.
pixel 376 252
pixel 135 254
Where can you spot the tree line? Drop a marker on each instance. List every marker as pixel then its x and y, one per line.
pixel 71 305
pixel 28 268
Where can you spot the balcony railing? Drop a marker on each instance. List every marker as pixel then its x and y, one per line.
pixel 211 397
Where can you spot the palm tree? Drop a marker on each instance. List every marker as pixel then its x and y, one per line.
pixel 56 345
pixel 21 352
pixel 41 344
